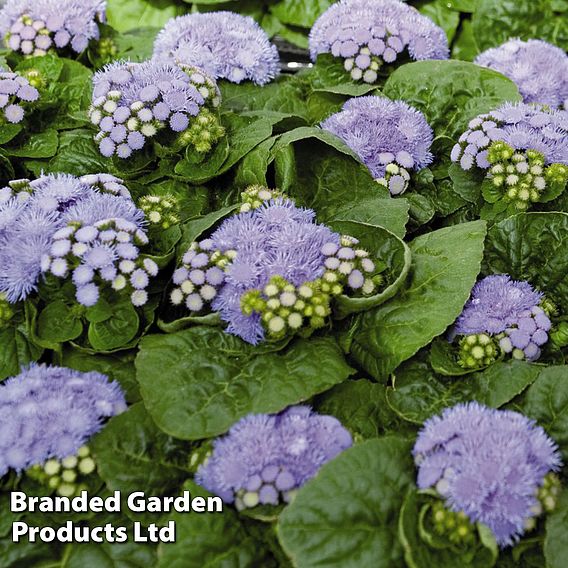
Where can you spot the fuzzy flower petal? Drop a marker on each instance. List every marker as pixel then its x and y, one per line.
pixel 51 412
pixel 538 68
pixel 487 463
pixel 224 44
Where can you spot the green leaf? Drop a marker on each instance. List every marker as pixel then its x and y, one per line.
pixel 547 402
pixel 360 406
pixel 450 93
pixel 467 184
pixel 495 21
pixel 116 331
pixel 329 75
pixel 58 323
pixel 124 16
pixel 16 348
pixel 532 247
pixel 556 539
pixel 191 395
pixel 323 175
pixel 384 248
pixel 417 394
pixel 157 464
pixel 117 367
pixel 464 46
pixel 243 134
pixel 127 554
pixel 445 264
pixel 443 359
pixel 77 155
pixel 42 145
pixel 420 554
pixel 252 170
pixel 442 13
pixel 9 131
pixel 210 540
pixel 346 515
pixel 386 212
pixel 302 13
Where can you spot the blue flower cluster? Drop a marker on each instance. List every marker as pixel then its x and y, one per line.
pixel 488 464
pixel 33 27
pixel 132 102
pixel 538 68
pixel 509 311
pixel 224 44
pixel 271 269
pixel 367 34
pixel 15 94
pixel 265 458
pixel 390 138
pixel 50 412
pixel 522 147
pixel 86 227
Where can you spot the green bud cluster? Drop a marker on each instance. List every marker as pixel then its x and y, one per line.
pixel 161 211
pixel 456 527
pixel 547 495
pixel 35 78
pixel 255 195
pixel 559 335
pixel 549 307
pixel 477 350
pixel 522 176
pixel 204 132
pixel 286 309
pixel 107 50
pixel 6 311
pixel 67 476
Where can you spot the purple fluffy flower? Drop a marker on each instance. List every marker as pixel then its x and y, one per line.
pixel 133 102
pixel 51 412
pixel 369 33
pixel 264 458
pixel 15 94
pixel 224 44
pixel 33 213
pixel 496 303
pixel 32 27
pixel 539 69
pixel 390 137
pixel 487 463
pixel 521 126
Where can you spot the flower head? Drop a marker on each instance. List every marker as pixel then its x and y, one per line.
pixel 224 44
pixel 496 303
pixel 390 137
pixel 523 149
pixel 369 33
pixel 133 102
pixel 271 268
pixel 39 218
pixel 16 94
pixel 34 27
pixel 538 68
pixel 264 458
pixel 487 463
pixel 51 412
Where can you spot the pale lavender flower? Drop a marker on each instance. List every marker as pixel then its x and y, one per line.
pixel 390 137
pixel 487 463
pixel 539 69
pixel 264 458
pixel 521 126
pixel 50 412
pixel 369 33
pixel 224 44
pixel 496 303
pixel 16 94
pixel 133 102
pixel 33 27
